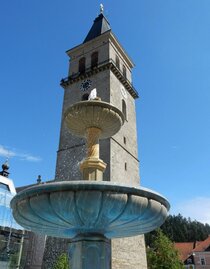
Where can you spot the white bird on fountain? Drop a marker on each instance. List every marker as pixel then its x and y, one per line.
pixel 93 94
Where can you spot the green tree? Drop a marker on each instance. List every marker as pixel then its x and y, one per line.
pixel 62 262
pixel 162 254
pixel 180 229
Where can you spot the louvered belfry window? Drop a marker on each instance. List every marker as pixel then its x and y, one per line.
pixel 94 59
pixel 82 65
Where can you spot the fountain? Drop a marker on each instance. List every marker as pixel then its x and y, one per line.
pixel 90 211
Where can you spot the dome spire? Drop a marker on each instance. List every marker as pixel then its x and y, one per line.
pixel 99 27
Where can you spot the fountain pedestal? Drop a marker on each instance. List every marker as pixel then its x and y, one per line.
pixel 90 252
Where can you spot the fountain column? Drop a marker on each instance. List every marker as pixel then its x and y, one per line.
pixel 90 252
pixel 92 167
pixel 93 142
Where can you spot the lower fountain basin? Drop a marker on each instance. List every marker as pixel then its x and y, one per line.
pixel 70 208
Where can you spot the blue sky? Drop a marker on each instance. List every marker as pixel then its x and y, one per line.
pixel 169 42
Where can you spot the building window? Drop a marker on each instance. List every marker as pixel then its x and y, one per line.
pixel 124 109
pixel 82 65
pixel 117 62
pixel 189 261
pixel 203 261
pixel 124 71
pixel 125 166
pixel 124 140
pixel 94 59
pixel 4 187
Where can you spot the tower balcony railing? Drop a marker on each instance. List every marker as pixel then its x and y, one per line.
pixel 90 70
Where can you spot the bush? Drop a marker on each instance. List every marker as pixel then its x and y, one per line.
pixel 62 262
pixel 162 254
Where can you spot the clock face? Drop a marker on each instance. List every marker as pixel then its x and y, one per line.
pixel 85 85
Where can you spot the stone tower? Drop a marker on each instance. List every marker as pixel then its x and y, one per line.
pixel 101 62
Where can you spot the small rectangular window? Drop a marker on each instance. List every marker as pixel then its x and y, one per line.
pixel 125 166
pixel 94 59
pixel 124 109
pixel 203 262
pixel 124 71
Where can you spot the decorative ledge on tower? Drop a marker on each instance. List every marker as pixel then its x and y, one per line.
pixel 108 64
pixel 99 27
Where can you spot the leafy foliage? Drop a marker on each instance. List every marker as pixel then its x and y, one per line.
pixel 179 229
pixel 162 254
pixel 13 261
pixel 62 262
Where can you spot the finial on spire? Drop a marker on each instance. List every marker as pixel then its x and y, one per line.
pixel 5 168
pixel 39 179
pixel 101 8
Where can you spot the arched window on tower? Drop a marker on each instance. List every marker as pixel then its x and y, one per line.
pixel 85 97
pixel 4 187
pixel 117 62
pixel 124 71
pixel 124 109
pixel 94 59
pixel 82 65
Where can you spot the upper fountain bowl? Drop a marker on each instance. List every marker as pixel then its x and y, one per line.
pixel 86 114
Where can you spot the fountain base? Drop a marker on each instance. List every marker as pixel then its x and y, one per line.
pixel 90 252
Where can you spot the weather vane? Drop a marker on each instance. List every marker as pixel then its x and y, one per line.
pixel 102 8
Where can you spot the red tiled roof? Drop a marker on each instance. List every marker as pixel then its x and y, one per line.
pixel 203 245
pixel 186 249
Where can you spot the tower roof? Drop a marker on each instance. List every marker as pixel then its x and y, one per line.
pixel 100 26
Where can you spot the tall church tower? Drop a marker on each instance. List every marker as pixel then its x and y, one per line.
pixel 101 62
